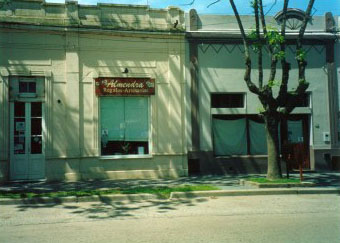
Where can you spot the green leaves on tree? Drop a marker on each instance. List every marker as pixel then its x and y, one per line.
pixel 253 3
pixel 300 55
pixel 274 37
pixel 272 83
pixel 280 55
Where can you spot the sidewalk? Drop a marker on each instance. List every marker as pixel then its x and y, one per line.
pixel 228 185
pixel 224 182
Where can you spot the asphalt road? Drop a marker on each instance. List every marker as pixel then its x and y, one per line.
pixel 286 218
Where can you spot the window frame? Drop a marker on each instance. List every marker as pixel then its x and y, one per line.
pixel 126 156
pixel 27 81
pixel 229 93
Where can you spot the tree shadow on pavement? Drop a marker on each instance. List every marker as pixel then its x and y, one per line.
pixel 106 208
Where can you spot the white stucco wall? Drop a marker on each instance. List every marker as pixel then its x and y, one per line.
pixel 222 70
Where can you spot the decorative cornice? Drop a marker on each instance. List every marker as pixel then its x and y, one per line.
pixel 101 16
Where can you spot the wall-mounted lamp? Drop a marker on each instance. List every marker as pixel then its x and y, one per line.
pixel 126 70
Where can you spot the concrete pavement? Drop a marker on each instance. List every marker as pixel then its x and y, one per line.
pixel 229 185
pixel 265 219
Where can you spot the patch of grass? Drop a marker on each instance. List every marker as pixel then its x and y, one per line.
pixel 163 192
pixel 278 181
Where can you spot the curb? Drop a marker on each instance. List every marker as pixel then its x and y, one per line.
pixel 173 195
pixel 277 185
pixel 255 192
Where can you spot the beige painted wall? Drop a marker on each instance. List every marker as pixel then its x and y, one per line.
pixel 70 60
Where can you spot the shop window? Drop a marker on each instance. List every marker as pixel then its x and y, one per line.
pixel 239 135
pixel 124 125
pixel 246 134
pixel 231 100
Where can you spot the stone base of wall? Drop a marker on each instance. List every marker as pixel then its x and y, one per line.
pixel 116 169
pixel 209 164
pixel 336 163
pixel 322 160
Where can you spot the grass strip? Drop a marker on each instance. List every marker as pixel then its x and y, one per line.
pixel 163 192
pixel 277 181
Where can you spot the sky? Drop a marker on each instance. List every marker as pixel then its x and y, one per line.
pixel 223 6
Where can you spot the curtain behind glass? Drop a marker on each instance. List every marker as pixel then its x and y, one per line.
pixel 125 118
pixel 112 117
pixel 136 119
pixel 230 137
pixel 258 140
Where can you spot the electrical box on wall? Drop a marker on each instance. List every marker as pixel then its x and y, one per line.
pixel 326 137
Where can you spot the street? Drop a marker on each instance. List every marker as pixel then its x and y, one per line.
pixel 286 218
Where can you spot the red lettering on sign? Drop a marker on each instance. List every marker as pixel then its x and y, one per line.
pixel 124 86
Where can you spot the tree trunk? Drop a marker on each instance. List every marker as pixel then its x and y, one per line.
pixel 274 165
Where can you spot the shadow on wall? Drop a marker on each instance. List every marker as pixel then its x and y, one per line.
pixel 167 112
pixel 71 120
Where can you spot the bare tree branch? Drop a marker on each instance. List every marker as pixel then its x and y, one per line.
pixel 259 43
pixel 188 4
pixel 283 24
pixel 213 3
pixel 300 55
pixel 264 25
pixel 271 7
pixel 247 76
pixel 305 22
pixel 284 64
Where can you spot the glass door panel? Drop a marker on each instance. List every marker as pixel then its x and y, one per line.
pixel 36 128
pixel 19 128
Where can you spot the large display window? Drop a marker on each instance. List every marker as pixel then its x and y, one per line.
pixel 124 125
pixel 238 135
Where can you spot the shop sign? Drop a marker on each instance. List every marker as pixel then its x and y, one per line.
pixel 124 86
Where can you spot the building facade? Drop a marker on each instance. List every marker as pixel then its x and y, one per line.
pixel 227 135
pixel 113 91
pixel 91 92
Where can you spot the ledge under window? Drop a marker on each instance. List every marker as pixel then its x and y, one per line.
pixel 240 156
pixel 131 156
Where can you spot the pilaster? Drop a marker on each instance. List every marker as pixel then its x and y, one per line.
pixel 332 94
pixel 72 95
pixel 194 92
pixel 4 116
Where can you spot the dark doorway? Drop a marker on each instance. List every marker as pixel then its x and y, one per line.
pixel 295 139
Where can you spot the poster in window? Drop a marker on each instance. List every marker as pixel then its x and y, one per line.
pixel 20 126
